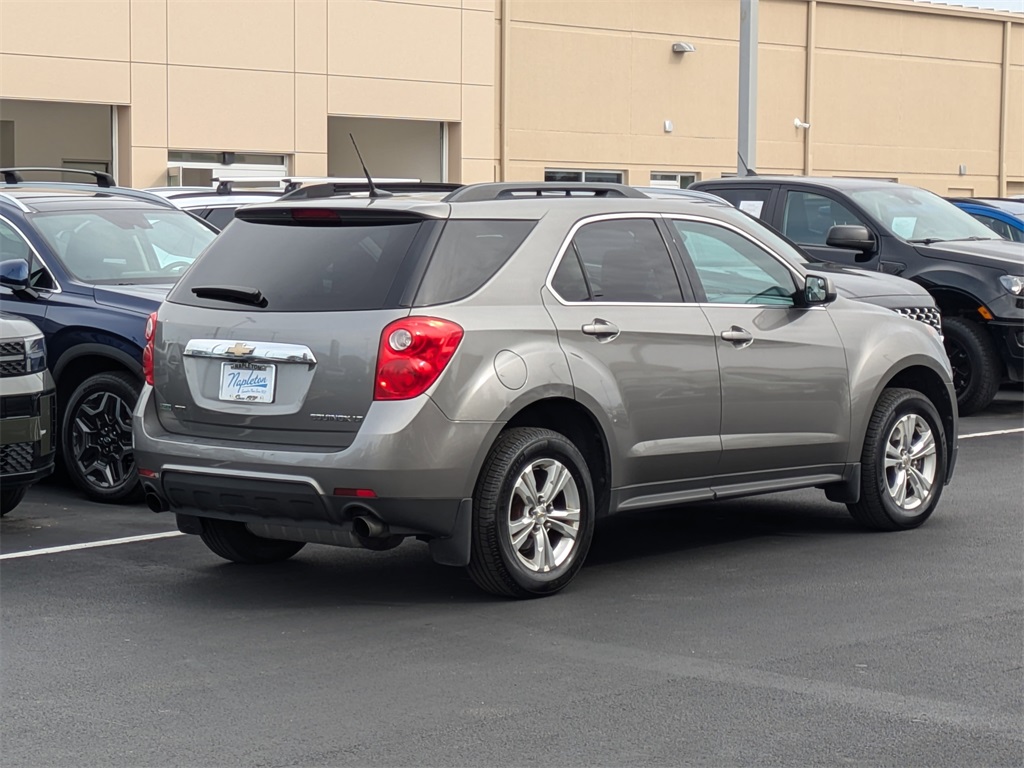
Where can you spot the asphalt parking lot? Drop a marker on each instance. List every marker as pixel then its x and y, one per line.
pixel 768 631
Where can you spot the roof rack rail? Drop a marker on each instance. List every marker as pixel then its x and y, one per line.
pixel 135 194
pixel 526 190
pixel 342 189
pixel 13 175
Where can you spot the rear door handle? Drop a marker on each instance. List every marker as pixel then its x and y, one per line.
pixel 741 337
pixel 601 329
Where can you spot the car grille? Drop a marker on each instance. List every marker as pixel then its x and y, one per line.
pixel 12 358
pixel 928 315
pixel 15 458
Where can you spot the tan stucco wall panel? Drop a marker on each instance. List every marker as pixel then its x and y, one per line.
pixel 395 40
pixel 576 13
pixel 218 109
pixel 1015 125
pixel 477 128
pixel 782 22
pixel 865 29
pixel 149 167
pixel 478 48
pixel 309 164
pixel 474 171
pixel 50 79
pixel 311 113
pixel 311 36
pixel 149 105
pixel 1017 45
pixel 687 20
pixel 372 97
pixel 149 31
pixel 569 81
pixel 227 33
pixel 67 28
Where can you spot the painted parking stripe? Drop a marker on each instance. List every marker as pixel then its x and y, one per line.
pixel 991 434
pixel 90 545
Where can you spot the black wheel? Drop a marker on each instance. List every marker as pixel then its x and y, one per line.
pixel 903 463
pixel 533 515
pixel 96 438
pixel 10 498
pixel 234 542
pixel 977 369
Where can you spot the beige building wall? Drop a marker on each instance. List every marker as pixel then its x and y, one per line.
pixel 890 88
pixel 924 93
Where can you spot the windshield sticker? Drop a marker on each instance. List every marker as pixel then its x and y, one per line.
pixel 904 226
pixel 753 207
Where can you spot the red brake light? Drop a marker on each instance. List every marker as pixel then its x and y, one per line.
pixel 413 352
pixel 147 352
pixel 313 214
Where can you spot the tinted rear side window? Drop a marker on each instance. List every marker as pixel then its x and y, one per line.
pixel 302 268
pixel 467 255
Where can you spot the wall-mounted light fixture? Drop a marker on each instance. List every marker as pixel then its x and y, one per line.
pixel 683 48
pixel 798 123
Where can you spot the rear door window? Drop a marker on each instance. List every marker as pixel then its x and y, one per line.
pixel 752 201
pixel 303 267
pixel 468 254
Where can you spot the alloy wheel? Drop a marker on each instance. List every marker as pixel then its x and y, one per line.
pixel 544 516
pixel 910 462
pixel 101 435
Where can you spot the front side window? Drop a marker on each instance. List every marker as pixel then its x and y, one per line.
pixel 624 260
pixel 732 269
pixel 808 217
pixel 14 246
pixel 124 246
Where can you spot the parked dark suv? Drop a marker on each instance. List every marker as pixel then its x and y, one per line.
pixel 976 277
pixel 95 260
pixel 494 370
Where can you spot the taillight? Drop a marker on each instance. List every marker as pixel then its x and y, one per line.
pixel 147 352
pixel 413 352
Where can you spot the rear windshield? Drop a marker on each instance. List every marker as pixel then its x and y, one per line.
pixel 302 268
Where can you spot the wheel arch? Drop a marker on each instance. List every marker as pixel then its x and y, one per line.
pixel 81 361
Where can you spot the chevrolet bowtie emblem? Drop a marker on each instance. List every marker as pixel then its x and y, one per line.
pixel 240 348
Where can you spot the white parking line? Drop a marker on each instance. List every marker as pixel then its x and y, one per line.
pixel 996 432
pixel 90 545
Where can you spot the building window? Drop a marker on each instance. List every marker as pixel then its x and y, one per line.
pixel 673 180
pixel 594 177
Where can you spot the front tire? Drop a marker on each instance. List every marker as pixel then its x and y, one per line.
pixel 977 369
pixel 903 463
pixel 96 438
pixel 10 498
pixel 233 541
pixel 533 515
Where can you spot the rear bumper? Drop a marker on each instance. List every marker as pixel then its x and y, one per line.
pixel 414 470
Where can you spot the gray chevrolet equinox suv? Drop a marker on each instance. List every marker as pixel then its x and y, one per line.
pixel 495 370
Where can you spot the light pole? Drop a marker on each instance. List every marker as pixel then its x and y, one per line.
pixel 747 148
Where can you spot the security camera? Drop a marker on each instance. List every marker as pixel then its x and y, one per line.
pixel 798 123
pixel 683 48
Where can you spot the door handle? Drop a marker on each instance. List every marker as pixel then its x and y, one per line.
pixel 602 329
pixel 741 337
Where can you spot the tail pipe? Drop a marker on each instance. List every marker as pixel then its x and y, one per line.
pixel 155 502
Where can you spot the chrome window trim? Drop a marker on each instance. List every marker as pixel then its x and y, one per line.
pixel 15 202
pixel 16 228
pixel 798 276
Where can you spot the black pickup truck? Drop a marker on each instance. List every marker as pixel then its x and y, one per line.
pixel 976 278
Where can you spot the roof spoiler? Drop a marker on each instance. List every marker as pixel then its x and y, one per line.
pixel 347 188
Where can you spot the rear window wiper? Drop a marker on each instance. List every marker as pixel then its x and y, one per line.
pixel 238 293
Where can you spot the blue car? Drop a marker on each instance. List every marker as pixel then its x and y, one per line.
pixel 88 263
pixel 1004 217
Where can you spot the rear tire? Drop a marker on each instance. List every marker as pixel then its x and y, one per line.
pixel 533 515
pixel 96 438
pixel 233 541
pixel 977 368
pixel 10 498
pixel 903 463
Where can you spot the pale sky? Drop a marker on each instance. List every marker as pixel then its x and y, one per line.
pixel 1001 5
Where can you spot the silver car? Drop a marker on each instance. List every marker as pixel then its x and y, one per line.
pixel 493 371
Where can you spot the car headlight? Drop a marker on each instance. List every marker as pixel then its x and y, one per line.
pixel 35 354
pixel 1013 283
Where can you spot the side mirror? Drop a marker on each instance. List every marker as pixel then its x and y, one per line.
pixel 14 274
pixel 852 237
pixel 818 290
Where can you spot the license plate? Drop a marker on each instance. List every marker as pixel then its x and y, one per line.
pixel 247 382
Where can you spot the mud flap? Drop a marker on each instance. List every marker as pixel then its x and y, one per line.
pixel 454 549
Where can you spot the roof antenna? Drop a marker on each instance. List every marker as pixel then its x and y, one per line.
pixel 375 191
